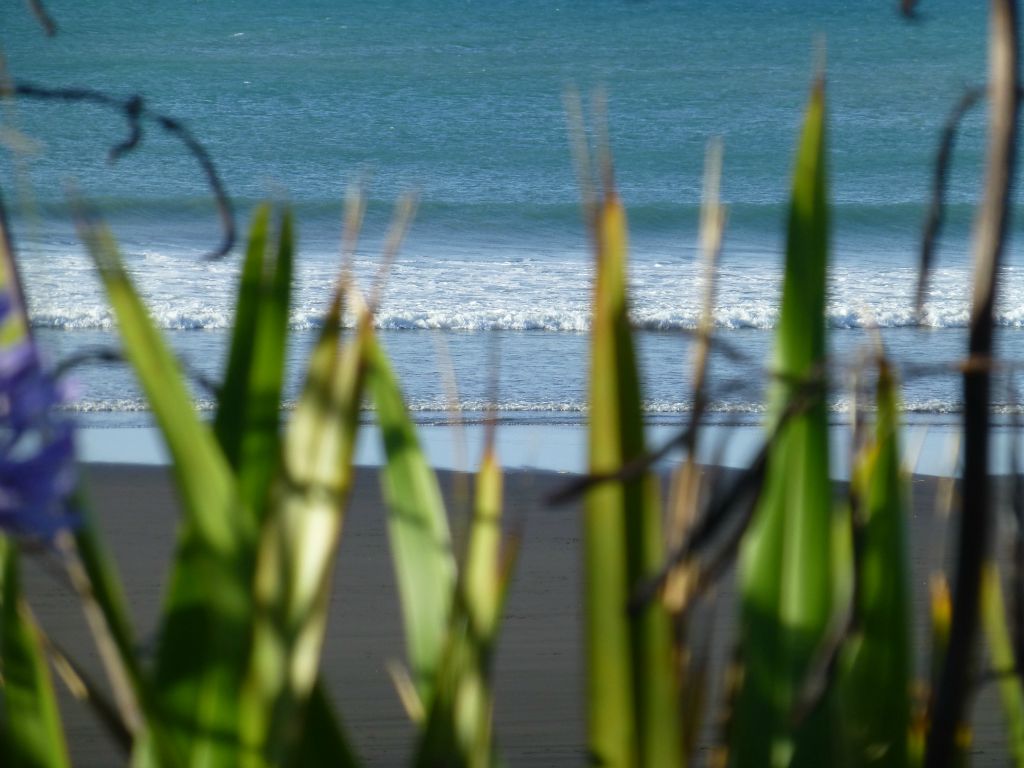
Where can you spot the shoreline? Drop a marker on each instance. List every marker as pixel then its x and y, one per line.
pixel 539 714
pixel 928 449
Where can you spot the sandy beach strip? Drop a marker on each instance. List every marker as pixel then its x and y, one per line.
pixel 539 682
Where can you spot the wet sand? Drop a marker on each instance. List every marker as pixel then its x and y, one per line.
pixel 539 682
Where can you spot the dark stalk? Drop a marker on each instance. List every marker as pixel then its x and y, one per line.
pixel 1017 509
pixel 43 17
pixel 135 113
pixel 976 518
pixel 937 208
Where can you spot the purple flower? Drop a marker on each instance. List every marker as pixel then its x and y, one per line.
pixel 37 467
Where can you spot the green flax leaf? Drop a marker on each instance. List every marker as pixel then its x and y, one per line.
pixel 458 728
pixel 298 545
pixel 633 715
pixel 249 406
pixel 876 670
pixel 1011 694
pixel 421 548
pixel 30 729
pixel 785 573
pixel 204 638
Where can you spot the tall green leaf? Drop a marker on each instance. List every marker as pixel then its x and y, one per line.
pixel 30 728
pixel 877 667
pixel 204 638
pixel 298 546
pixel 421 549
pixel 458 728
pixel 249 406
pixel 1011 693
pixel 785 574
pixel 633 715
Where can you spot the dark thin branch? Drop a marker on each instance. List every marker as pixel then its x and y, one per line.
pixel 111 355
pixel 83 687
pixel 1017 509
pixel 136 114
pixel 89 356
pixel 636 467
pixel 947 716
pixel 746 488
pixel 43 16
pixel 937 209
pixel 629 471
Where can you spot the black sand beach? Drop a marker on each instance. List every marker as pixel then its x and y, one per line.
pixel 539 684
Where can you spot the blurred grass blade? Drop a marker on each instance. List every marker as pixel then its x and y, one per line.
pixel 204 639
pixel 878 656
pixel 484 587
pixel 633 715
pixel 323 743
pixel 298 545
pixel 248 414
pixel 993 618
pixel 94 576
pixel 785 574
pixel 30 729
pixel 458 729
pixel 230 423
pixel 421 548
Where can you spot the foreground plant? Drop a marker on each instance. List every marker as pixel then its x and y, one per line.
pixel 235 679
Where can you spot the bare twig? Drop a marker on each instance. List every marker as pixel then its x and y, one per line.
pixel 135 112
pixel 43 16
pixel 937 208
pixel 686 482
pixel 908 8
pixel 112 355
pixel 405 211
pixel 83 688
pixel 636 467
pixel 975 519
pixel 745 488
pixel 1017 509
pixel 580 154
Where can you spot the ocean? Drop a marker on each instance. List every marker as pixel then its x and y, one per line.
pixel 462 102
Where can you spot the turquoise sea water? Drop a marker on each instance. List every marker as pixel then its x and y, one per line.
pixel 462 102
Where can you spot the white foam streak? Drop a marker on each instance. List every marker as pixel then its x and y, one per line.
pixel 531 294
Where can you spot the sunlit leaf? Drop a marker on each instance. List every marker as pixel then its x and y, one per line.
pixel 417 526
pixel 633 714
pixel 877 669
pixel 298 546
pixel 204 638
pixel 30 727
pixel 785 573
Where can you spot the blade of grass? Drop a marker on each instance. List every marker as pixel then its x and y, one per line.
pixel 1000 644
pixel 785 577
pixel 421 548
pixel 298 545
pixel 323 743
pixel 633 712
pixel 877 669
pixel 204 638
pixel 247 424
pixel 229 424
pixel 31 735
pixel 92 573
pixel 458 728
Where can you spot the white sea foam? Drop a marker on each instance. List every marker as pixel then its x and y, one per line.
pixel 568 407
pixel 530 294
